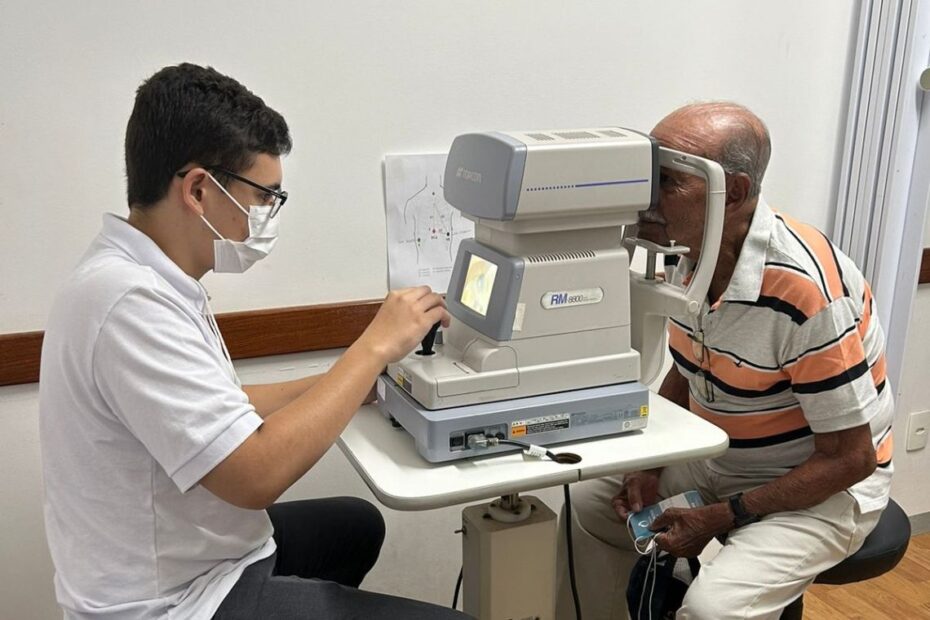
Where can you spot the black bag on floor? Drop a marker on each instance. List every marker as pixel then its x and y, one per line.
pixel 658 594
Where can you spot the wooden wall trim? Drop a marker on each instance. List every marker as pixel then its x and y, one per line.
pixel 255 333
pixel 259 333
pixel 924 277
pixel 19 357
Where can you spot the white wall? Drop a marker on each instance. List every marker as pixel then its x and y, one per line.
pixel 357 80
pixel 912 469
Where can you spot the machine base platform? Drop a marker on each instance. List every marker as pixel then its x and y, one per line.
pixel 442 434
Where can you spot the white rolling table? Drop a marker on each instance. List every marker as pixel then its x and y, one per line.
pixel 400 478
pixel 496 554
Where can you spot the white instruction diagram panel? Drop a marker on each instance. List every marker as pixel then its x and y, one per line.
pixel 423 230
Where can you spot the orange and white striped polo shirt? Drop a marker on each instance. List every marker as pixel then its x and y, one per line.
pixel 792 348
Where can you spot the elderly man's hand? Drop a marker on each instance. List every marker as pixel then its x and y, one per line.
pixel 686 531
pixel 640 488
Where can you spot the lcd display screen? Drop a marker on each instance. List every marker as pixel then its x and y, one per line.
pixel 479 282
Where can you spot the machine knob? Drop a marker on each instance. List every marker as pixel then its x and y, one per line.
pixel 428 340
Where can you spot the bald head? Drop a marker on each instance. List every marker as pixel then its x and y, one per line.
pixel 725 132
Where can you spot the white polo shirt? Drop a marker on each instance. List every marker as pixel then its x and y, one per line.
pixel 137 402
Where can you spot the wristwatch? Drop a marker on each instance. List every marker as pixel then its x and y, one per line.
pixel 741 516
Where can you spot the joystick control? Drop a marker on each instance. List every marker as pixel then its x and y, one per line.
pixel 429 340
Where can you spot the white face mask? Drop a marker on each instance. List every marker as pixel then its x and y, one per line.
pixel 236 256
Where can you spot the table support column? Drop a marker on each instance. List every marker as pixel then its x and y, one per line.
pixel 509 559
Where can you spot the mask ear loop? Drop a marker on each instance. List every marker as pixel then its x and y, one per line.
pixel 206 221
pixel 215 231
pixel 228 195
pixel 248 212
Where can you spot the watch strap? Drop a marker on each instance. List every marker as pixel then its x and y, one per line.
pixel 741 516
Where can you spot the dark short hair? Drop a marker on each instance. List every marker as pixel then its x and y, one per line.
pixel 187 113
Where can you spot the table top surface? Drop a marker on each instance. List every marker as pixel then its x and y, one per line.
pixel 400 478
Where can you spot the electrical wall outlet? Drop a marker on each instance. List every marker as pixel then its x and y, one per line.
pixel 918 427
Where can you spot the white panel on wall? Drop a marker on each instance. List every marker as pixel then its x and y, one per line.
pixel 358 79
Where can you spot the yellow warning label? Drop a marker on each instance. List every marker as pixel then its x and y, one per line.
pixel 517 431
pixel 404 381
pixel 644 411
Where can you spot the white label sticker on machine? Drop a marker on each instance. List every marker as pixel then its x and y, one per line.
pixel 542 424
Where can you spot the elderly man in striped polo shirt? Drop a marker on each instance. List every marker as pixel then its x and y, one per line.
pixel 787 356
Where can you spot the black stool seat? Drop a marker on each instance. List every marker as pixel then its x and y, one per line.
pixel 882 550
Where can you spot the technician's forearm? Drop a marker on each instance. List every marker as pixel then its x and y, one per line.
pixel 269 397
pixel 296 436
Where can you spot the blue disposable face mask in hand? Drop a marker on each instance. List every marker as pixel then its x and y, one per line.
pixel 638 523
pixel 237 256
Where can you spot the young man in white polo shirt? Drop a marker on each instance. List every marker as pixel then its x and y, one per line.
pixel 159 466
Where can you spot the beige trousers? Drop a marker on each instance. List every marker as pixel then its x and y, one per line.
pixel 762 567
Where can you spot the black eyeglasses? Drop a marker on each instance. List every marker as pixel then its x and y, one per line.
pixel 704 387
pixel 270 197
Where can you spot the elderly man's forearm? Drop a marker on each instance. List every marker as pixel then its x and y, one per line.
pixel 809 484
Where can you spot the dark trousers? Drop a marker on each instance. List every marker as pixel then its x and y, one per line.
pixel 325 549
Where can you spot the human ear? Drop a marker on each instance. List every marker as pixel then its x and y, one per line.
pixel 192 189
pixel 738 188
